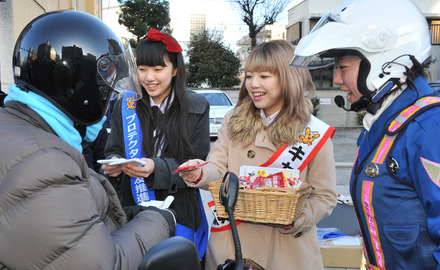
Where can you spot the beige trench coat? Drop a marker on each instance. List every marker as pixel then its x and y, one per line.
pixel 273 247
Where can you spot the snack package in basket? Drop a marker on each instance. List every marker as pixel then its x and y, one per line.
pixel 255 177
pixel 266 195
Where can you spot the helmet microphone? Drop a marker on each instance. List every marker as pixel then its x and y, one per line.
pixel 360 104
pixel 340 102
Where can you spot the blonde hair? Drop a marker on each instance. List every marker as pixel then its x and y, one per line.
pixel 274 56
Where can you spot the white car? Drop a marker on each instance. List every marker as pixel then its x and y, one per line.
pixel 220 104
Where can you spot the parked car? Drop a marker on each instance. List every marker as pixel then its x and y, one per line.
pixel 435 85
pixel 220 104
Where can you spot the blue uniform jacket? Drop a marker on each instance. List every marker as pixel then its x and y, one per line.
pixel 399 209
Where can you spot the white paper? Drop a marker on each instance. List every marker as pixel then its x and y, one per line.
pixel 159 204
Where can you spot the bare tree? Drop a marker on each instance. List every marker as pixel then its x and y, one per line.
pixel 256 14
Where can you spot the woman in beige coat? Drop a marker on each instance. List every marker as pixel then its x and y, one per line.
pixel 271 111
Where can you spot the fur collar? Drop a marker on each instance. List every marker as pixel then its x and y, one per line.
pixel 245 124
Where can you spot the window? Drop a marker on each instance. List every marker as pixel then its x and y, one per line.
pixel 294 33
pixel 434 26
pixel 197 25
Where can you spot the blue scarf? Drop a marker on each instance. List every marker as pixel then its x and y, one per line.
pixel 57 120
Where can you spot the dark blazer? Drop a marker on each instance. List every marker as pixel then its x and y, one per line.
pixel 163 181
pixel 94 151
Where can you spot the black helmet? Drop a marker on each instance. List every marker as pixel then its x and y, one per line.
pixel 75 61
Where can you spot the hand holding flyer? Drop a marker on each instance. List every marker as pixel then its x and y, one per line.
pixel 121 161
pixel 189 168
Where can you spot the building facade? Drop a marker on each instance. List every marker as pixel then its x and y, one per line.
pixel 269 32
pixel 110 16
pixel 195 16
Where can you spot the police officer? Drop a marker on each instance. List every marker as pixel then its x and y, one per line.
pixel 380 49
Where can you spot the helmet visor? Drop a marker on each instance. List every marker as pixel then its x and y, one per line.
pixel 312 62
pixel 120 72
pixel 319 60
pixel 325 19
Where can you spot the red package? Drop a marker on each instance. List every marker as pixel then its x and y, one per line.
pixel 276 180
pixel 258 182
pixel 245 182
pixel 294 182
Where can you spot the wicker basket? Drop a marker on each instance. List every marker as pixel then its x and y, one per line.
pixel 268 205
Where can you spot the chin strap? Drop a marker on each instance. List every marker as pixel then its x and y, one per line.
pixel 374 107
pixel 356 106
pixel 389 87
pixel 373 102
pixel 361 104
pixel 368 103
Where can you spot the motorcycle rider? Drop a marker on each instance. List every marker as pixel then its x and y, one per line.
pixel 55 212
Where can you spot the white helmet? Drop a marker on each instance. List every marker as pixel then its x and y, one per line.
pixel 391 36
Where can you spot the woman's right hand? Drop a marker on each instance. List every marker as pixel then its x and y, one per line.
pixel 110 170
pixel 190 176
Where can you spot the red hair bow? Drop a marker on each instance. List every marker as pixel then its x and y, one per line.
pixel 171 45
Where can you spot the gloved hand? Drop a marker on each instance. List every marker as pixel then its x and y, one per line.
pixel 132 211
pixel 169 215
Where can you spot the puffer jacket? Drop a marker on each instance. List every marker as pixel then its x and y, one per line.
pixel 56 213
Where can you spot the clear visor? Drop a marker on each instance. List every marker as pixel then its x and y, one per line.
pixel 326 18
pixel 312 62
pixel 317 60
pixel 120 72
